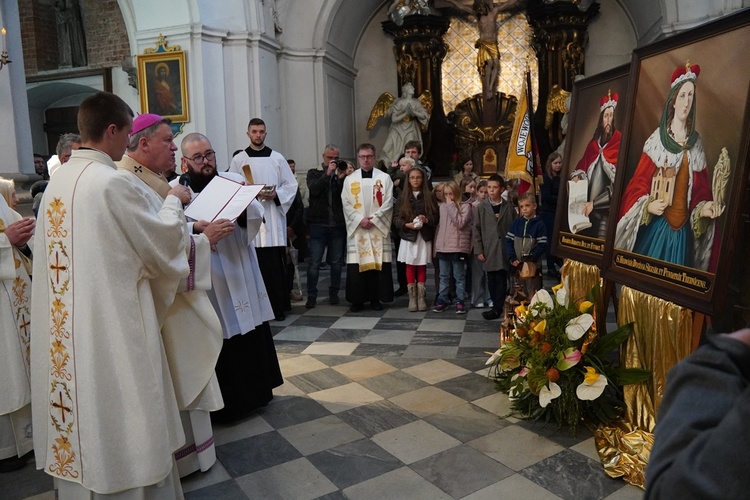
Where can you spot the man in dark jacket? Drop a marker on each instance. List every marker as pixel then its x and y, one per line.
pixel 325 217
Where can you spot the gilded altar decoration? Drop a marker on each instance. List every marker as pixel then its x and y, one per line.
pixel 553 363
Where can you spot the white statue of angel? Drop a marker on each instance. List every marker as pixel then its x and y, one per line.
pixel 407 114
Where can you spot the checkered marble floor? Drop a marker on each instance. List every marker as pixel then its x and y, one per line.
pixel 385 404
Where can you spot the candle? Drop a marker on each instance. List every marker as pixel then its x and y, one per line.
pixel 3 32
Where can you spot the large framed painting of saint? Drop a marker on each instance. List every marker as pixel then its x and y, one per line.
pixel 683 166
pixel 589 165
pixel 163 85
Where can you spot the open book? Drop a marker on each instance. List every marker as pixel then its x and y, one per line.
pixel 222 199
pixel 577 197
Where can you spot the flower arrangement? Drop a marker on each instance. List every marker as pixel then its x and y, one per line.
pixel 553 362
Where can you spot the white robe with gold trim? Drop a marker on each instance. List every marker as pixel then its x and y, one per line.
pixel 364 198
pixel 15 332
pixel 106 268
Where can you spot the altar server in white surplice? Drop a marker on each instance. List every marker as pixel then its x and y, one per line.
pixel 15 331
pixel 107 267
pixel 367 198
pixel 259 164
pixel 248 368
pixel 191 330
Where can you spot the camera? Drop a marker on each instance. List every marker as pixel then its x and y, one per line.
pixel 341 165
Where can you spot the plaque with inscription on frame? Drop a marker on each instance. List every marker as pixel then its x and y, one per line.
pixel 683 166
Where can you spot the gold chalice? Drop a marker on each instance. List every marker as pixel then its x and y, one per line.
pixel 356 189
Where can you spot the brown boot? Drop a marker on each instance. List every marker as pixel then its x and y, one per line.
pixel 412 288
pixel 421 294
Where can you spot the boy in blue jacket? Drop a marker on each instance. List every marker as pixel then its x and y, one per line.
pixel 526 241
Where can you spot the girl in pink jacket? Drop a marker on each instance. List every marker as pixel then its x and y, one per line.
pixel 453 246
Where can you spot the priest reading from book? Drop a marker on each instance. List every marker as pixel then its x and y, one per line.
pixel 107 266
pixel 260 164
pixel 248 368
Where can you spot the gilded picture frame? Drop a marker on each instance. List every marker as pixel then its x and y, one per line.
pixel 683 166
pixel 597 111
pixel 162 85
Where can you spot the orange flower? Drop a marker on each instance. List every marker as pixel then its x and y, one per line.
pixel 546 346
pixel 553 375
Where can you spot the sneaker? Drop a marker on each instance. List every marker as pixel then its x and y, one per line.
pixel 439 307
pixel 460 308
pixel 490 303
pixel 333 299
pixel 311 301
pixel 479 305
pixel 295 295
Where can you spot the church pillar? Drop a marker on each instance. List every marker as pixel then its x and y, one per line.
pixel 559 39
pixel 419 51
pixel 15 141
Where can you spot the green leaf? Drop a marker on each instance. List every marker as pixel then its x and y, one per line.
pixel 625 376
pixel 593 294
pixel 604 344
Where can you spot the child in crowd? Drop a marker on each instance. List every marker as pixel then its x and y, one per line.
pixel 468 187
pixel 350 168
pixel 479 291
pixel 526 242
pixel 468 194
pixel 437 190
pixel 415 219
pixel 400 174
pixel 494 217
pixel 452 246
pixel 511 193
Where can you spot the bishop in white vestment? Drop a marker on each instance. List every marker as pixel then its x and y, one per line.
pixel 191 333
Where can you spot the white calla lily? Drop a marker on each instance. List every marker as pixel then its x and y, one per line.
pixel 592 386
pixel 543 297
pixel 495 356
pixel 548 393
pixel 562 297
pixel 578 326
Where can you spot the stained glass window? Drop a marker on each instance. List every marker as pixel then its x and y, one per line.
pixel 460 76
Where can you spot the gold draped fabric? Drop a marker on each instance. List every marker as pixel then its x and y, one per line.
pixel 581 278
pixel 661 337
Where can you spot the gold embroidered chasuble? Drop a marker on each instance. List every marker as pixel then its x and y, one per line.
pixel 15 332
pixel 368 198
pixel 104 409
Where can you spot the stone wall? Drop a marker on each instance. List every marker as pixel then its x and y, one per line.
pixel 106 37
